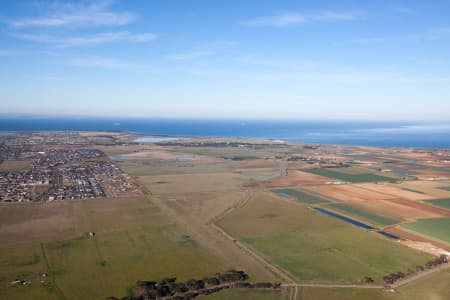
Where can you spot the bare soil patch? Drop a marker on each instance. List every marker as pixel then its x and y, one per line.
pixel 394 191
pixel 349 192
pixel 432 210
pixel 430 173
pixel 378 203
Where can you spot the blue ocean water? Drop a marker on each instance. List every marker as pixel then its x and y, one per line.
pixel 387 134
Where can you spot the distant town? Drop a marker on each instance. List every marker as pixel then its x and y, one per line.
pixel 37 167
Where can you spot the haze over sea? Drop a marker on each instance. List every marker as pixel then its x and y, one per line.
pixel 386 134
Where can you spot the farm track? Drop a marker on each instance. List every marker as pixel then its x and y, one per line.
pixel 292 286
pixel 420 275
pixel 214 237
pixel 209 238
pixel 292 290
pixel 59 293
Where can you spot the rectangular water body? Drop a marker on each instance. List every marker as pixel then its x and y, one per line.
pixel 345 219
pixel 388 235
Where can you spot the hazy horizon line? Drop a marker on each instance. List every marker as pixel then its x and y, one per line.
pixel 16 115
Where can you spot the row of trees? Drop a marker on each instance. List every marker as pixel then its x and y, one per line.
pixel 393 277
pixel 170 289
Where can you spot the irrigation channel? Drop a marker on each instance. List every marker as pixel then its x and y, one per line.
pixel 289 282
pixel 356 223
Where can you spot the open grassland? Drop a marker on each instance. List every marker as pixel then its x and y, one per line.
pixel 362 214
pixel 402 172
pixel 15 165
pixel 24 262
pixel 156 161
pixel 196 210
pixel 445 203
pixel 261 175
pixel 114 261
pixel 368 177
pixel 314 247
pixel 124 149
pixel 194 199
pixel 235 153
pixel 434 287
pixel 300 196
pixel 133 241
pixel 241 294
pixel 189 183
pixel 445 188
pixel 436 228
pixel 107 141
pixel 296 178
pixel 354 170
pixel 37 222
pixel 141 167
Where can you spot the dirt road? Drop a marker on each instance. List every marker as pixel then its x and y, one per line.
pixel 236 254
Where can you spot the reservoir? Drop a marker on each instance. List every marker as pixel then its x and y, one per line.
pixel 388 235
pixel 342 218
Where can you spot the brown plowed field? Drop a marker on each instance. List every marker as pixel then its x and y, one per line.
pixel 435 211
pixel 296 178
pixel 376 202
pixel 347 192
pixel 396 210
pixel 430 173
pixel 428 187
pixel 421 156
pixel 394 191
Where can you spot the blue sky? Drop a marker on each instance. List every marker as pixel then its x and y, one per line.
pixel 245 59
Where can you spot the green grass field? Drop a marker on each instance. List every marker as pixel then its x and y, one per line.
pixel 15 165
pixel 445 203
pixel 354 170
pixel 437 228
pixel 314 247
pixel 362 214
pixel 434 287
pixel 236 153
pixel 262 175
pixel 300 196
pixel 355 178
pixel 242 294
pixel 24 262
pixel 447 188
pixel 133 241
pixel 399 171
